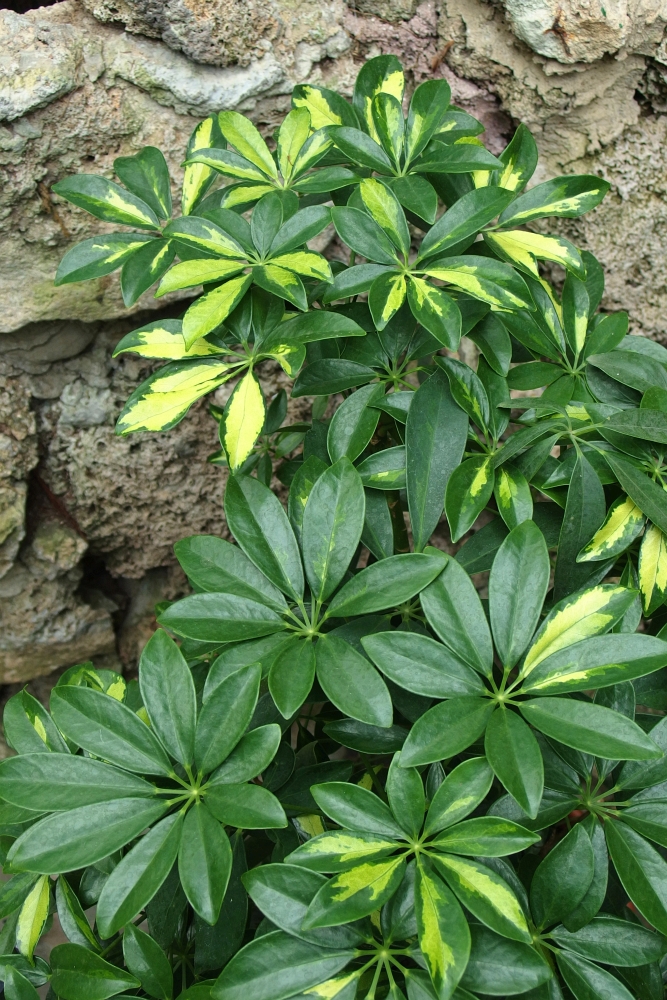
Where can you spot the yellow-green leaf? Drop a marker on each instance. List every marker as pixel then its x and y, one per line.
pixel 332 988
pixel 212 309
pixel 385 208
pixel 485 894
pixel 592 612
pixel 525 249
pixel 355 893
pixel 338 850
pixel 240 133
pixel 653 569
pixel 33 917
pixel 200 234
pixel 290 357
pixel 164 339
pixel 325 107
pixel 312 151
pixel 243 194
pixel 243 421
pixel 164 398
pixel 197 177
pixel 293 133
pixel 621 526
pixel 444 937
pixel 382 75
pixel 190 273
pixel 312 265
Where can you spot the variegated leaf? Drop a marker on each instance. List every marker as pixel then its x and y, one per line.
pixel 525 249
pixel 624 521
pixel 653 569
pixel 190 273
pixel 240 133
pixel 212 309
pixel 164 339
pixel 293 133
pixel 243 420
pixel 164 398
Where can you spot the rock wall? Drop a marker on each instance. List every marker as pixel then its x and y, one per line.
pixel 87 520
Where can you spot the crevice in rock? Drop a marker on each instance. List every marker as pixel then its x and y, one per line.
pixel 651 94
pixel 23 6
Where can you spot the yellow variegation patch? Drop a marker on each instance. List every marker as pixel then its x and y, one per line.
pixel 584 616
pixel 385 209
pixel 161 401
pixel 332 987
pixel 243 194
pixel 466 277
pixel 309 825
pixel 191 273
pixel 371 878
pixel 33 917
pixel 392 83
pixel 318 145
pixel 306 262
pixel 244 419
pixel 290 357
pixel 527 248
pixel 653 568
pixel 240 133
pixel 345 847
pixel 576 204
pixel 621 525
pixel 436 950
pixel 481 478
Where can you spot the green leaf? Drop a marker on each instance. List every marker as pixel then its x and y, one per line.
pixel 225 715
pixel 134 882
pixel 504 968
pixel 168 693
pixel 631 368
pixel 292 674
pixel 331 375
pixel 561 881
pixel 80 975
pixel 356 808
pixel 485 894
pixel 446 730
pixel 356 893
pixel 466 216
pixel 483 278
pixel 517 587
pixel 386 296
pixel 428 104
pixel 220 618
pixel 384 470
pixel 243 421
pixel 435 437
pixel 588 981
pixel 304 225
pixel 416 195
pixel 436 311
pixel 363 235
pixel 53 783
pixel 455 158
pixel 485 836
pixel 212 309
pixel 260 526
pixel 146 960
pixel 17 987
pixel 251 755
pixel 514 754
pixel 146 175
pixel 575 306
pixel 590 728
pixel 597 890
pixel 598 662
pixel 519 160
pixel 454 612
pixel 99 255
pixel 283 893
pixel 463 790
pixel 405 792
pixel 380 75
pixel 353 281
pixel 300 489
pixel 32 917
pixel 204 862
pixel 332 524
pixel 612 941
pixel 72 918
pixel 144 268
pixel 318 325
pixel 364 738
pixel 419 664
pixel 107 201
pixel 513 497
pixel 276 966
pixel 444 936
pixel 213 564
pixel 108 729
pixel 353 424
pixel 250 807
pixel 645 424
pixel 494 342
pixel 642 871
pixel 467 390
pixel 384 584
pixel 360 148
pixel 583 615
pixel 165 397
pixel 351 682
pixel 469 489
pixel 566 197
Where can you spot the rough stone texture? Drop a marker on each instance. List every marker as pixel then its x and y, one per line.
pixel 87 520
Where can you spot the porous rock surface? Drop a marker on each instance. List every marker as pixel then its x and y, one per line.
pixel 88 520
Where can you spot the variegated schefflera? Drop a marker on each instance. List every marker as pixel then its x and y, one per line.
pixel 341 772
